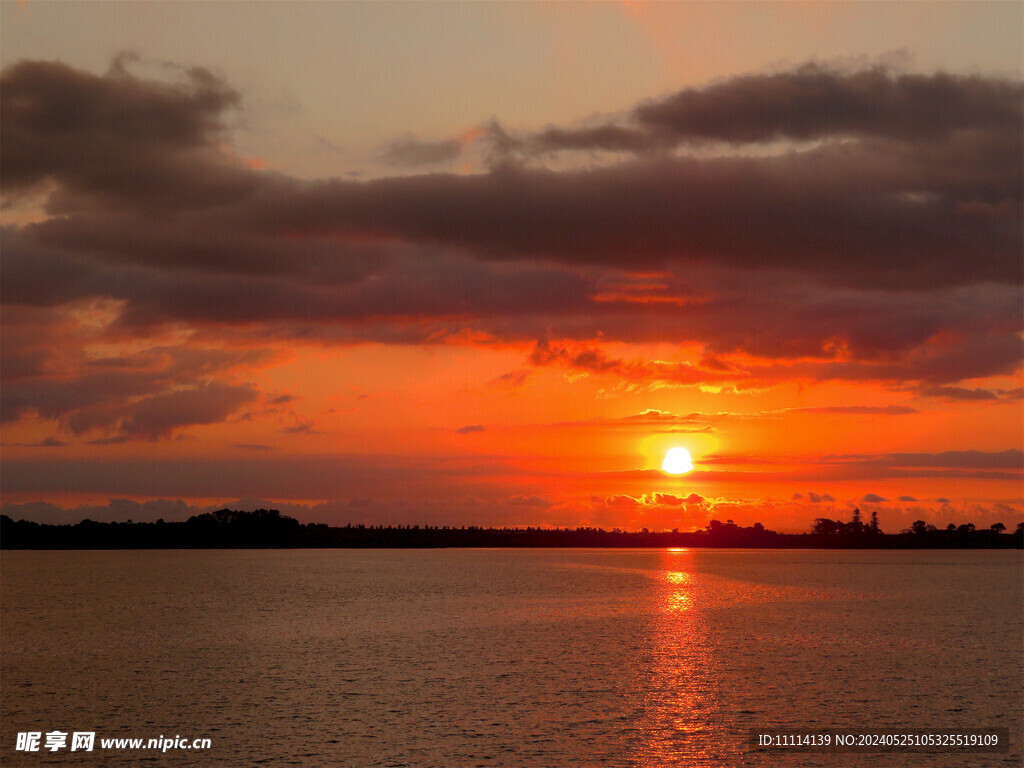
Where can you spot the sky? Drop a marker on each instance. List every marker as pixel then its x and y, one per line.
pixel 486 263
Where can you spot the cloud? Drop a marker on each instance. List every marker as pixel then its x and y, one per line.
pixel 529 501
pixel 157 416
pixel 855 410
pixel 410 152
pixel 1008 459
pixel 301 427
pixel 997 465
pixel 143 393
pixel 512 379
pixel 959 393
pixel 815 498
pixel 49 442
pixel 470 429
pixel 810 102
pixel 117 139
pixel 873 498
pixel 1011 459
pixel 666 421
pixel 887 249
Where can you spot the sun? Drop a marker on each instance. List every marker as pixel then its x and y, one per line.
pixel 677 461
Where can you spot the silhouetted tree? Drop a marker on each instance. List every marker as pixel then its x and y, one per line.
pixel 825 526
pixel 997 527
pixel 919 527
pixel 856 524
pixel 873 527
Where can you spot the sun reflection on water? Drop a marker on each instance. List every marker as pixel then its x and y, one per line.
pixel 681 723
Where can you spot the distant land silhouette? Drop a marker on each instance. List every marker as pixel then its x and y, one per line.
pixel 269 529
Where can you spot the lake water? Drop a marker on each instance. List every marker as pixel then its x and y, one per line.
pixel 520 658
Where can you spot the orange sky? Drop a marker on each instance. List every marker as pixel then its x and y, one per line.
pixel 808 275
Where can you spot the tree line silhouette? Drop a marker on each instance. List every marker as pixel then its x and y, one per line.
pixel 269 529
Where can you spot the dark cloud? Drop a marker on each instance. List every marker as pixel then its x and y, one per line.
pixel 512 379
pixel 812 102
pixel 873 498
pixel 841 214
pixel 903 151
pixel 410 152
pixel 899 226
pixel 907 498
pixel 469 429
pixel 612 138
pixel 301 427
pixel 49 442
pixel 1011 459
pixel 980 355
pixel 157 416
pixel 117 139
pixel 593 360
pixel 998 465
pixel 959 393
pixel 146 394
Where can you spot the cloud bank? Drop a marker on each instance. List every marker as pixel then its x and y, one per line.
pixel 812 224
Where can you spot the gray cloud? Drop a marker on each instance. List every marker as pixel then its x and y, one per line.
pixel 143 395
pixel 1011 459
pixel 915 185
pixel 813 101
pixel 48 442
pixel 959 393
pixel 157 416
pixel 116 138
pixel 976 464
pixel 411 152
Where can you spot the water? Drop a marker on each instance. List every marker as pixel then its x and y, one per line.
pixel 516 658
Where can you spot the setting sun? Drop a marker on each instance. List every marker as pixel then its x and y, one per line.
pixel 677 461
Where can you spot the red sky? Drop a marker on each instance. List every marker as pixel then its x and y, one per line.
pixel 806 274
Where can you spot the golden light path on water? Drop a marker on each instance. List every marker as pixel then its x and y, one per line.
pixel 680 726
